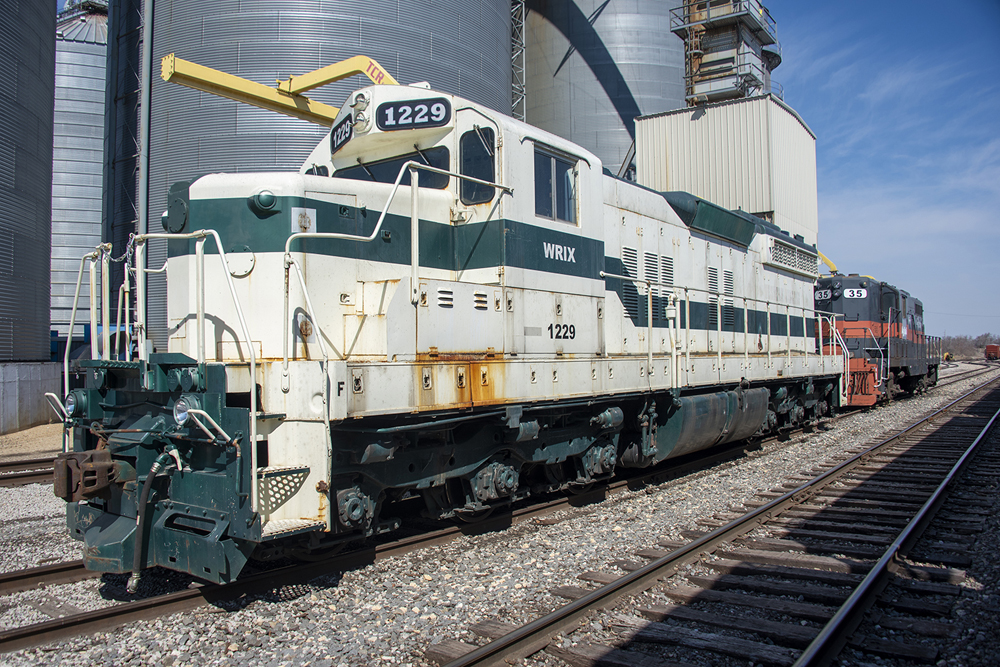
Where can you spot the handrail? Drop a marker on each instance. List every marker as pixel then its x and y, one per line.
pixel 395 186
pixel 411 166
pixel 93 255
pixel 735 297
pixel 821 316
pixel 200 235
pixel 845 390
pixel 682 16
pixel 670 317
pixel 326 357
pixel 881 358
pixel 124 297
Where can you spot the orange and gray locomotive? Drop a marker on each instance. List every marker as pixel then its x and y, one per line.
pixel 882 329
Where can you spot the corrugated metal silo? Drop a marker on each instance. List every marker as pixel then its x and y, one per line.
pixel 459 46
pixel 27 75
pixel 78 154
pixel 594 65
pixel 27 65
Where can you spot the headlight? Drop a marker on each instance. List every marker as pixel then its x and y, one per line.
pixel 76 403
pixel 181 407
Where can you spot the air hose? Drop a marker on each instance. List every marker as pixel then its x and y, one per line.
pixel 169 455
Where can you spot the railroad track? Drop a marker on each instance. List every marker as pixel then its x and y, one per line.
pixel 45 575
pixel 110 617
pixel 113 616
pixel 789 582
pixel 26 471
pixel 964 375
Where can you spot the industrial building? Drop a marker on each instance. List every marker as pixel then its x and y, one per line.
pixel 730 49
pixel 754 154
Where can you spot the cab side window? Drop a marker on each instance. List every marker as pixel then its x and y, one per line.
pixel 555 187
pixel 476 155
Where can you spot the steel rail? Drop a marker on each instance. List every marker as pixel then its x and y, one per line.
pixel 45 575
pixel 116 615
pixel 831 639
pixel 113 616
pixel 958 377
pixel 71 571
pixel 27 477
pixel 534 636
pixel 25 464
pixel 25 471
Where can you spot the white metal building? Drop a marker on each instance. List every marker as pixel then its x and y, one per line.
pixel 754 154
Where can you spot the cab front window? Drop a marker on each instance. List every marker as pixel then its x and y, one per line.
pixel 476 156
pixel 385 171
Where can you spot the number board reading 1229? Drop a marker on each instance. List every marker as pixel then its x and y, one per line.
pixel 413 114
pixel 341 134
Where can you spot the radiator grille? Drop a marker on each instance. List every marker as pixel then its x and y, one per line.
pixel 788 256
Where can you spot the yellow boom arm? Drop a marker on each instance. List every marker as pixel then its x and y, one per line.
pixel 826 260
pixel 335 72
pixel 286 98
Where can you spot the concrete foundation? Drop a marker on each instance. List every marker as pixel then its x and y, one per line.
pixel 22 394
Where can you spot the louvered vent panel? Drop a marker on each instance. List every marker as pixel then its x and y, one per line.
pixel 713 298
pixel 782 253
pixel 630 292
pixel 653 274
pixel 728 311
pixel 808 263
pixel 446 298
pixel 481 301
pixel 667 270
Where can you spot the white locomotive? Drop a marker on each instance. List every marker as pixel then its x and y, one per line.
pixel 521 322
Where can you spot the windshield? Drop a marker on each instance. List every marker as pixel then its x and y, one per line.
pixel 385 171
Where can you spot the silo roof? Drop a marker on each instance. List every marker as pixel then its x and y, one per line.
pixel 82 25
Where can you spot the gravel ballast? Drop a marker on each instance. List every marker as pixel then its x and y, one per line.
pixel 388 612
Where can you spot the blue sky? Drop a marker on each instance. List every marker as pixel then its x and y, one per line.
pixel 904 98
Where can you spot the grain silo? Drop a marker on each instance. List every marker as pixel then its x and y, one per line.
pixel 78 154
pixel 27 51
pixel 593 66
pixel 458 46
